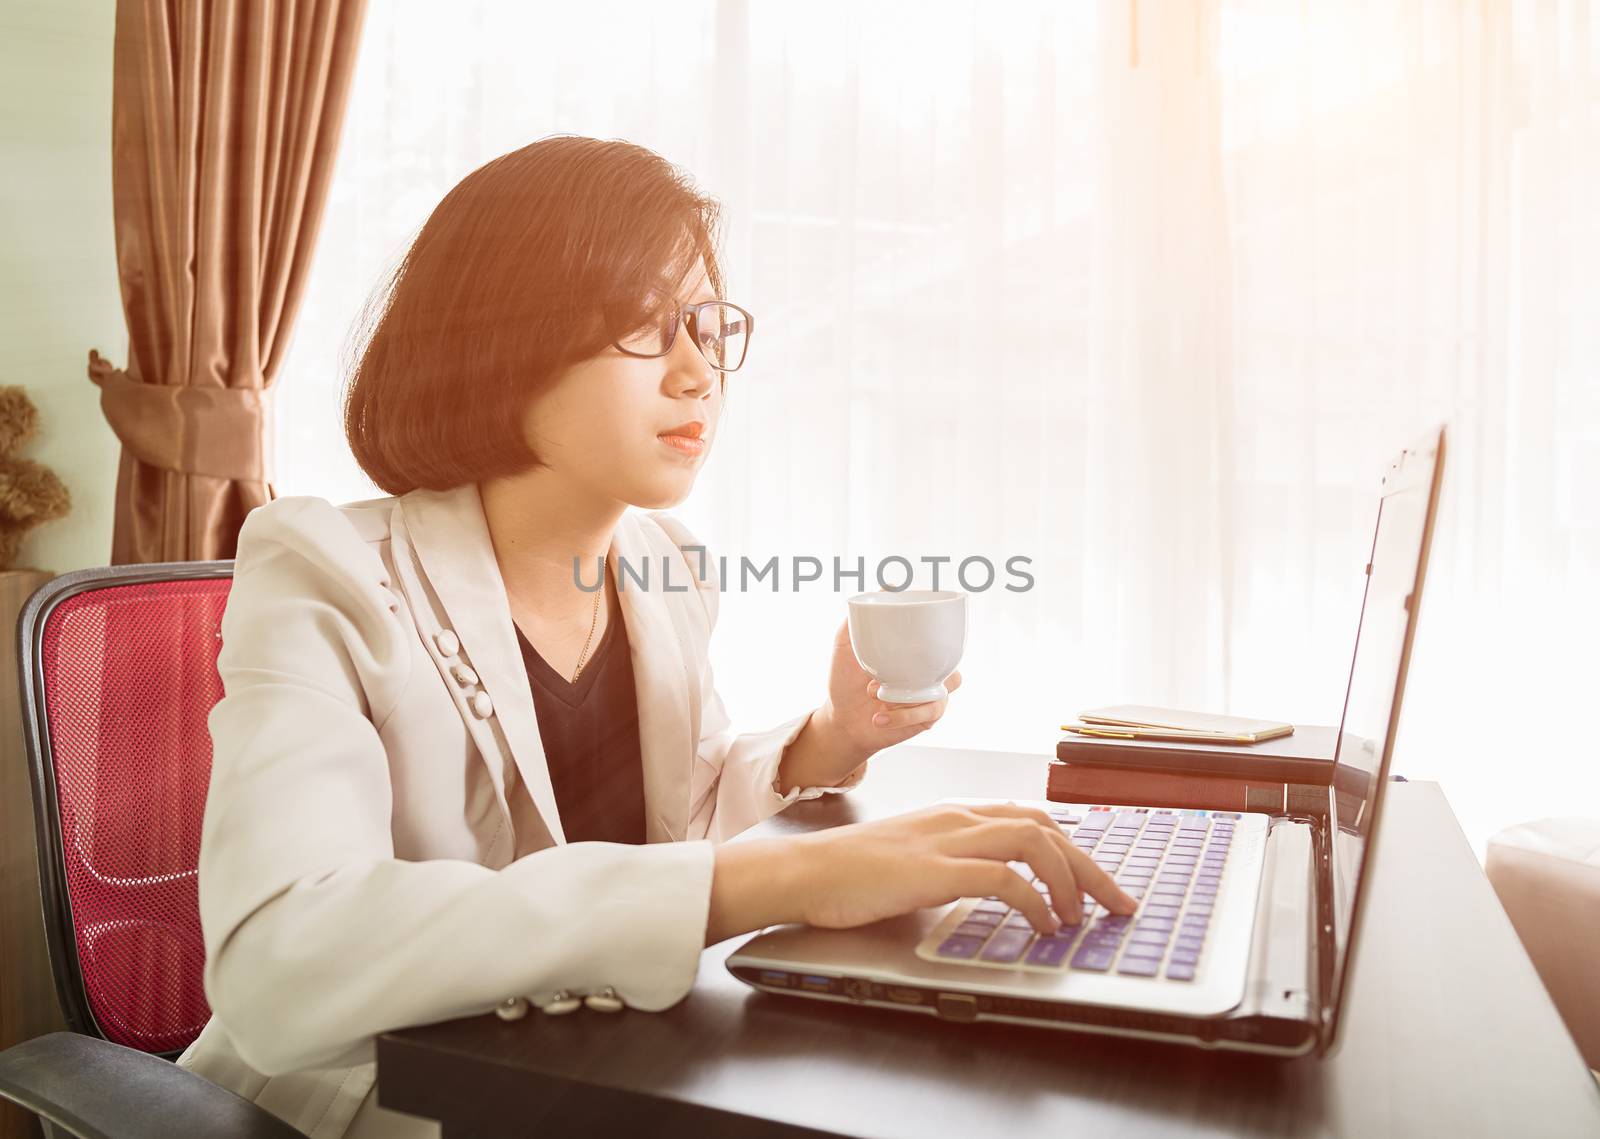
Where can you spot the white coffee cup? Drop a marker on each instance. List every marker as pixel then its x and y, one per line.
pixel 909 641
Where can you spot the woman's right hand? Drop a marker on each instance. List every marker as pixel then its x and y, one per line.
pixel 851 875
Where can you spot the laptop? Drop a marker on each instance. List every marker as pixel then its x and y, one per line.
pixel 1247 923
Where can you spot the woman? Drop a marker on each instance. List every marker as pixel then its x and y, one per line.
pixel 448 778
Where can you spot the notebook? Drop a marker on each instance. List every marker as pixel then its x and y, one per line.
pixel 1140 722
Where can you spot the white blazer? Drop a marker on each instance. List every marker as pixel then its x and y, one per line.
pixel 359 865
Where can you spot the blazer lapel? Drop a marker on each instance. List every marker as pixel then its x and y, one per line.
pixel 451 539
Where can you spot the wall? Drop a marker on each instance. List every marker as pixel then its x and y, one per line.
pixel 58 274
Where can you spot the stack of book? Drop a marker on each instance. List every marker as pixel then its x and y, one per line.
pixel 1163 757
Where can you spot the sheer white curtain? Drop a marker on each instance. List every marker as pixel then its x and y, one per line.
pixel 1411 198
pixel 1147 293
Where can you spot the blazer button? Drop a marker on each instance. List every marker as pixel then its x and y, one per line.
pixel 482 706
pixel 561 1003
pixel 448 643
pixel 464 675
pixel 512 1008
pixel 606 1000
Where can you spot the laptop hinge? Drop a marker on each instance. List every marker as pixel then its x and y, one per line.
pixel 1327 945
pixel 1282 981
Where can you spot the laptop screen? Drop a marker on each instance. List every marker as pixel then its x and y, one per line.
pixel 1377 682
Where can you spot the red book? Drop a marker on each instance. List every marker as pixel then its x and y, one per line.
pixel 1124 786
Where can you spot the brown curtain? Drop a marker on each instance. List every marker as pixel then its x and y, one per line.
pixel 225 123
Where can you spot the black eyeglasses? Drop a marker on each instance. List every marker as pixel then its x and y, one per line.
pixel 720 329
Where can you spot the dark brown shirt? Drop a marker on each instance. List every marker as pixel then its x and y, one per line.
pixel 590 732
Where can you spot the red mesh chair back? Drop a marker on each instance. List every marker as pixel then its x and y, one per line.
pixel 119 674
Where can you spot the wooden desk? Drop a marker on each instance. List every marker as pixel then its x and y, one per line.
pixel 1448 1032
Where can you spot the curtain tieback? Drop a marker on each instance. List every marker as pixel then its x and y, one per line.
pixel 211 431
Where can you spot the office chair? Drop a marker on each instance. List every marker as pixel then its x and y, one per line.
pixel 118 669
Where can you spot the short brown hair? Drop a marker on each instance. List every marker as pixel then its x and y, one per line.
pixel 533 262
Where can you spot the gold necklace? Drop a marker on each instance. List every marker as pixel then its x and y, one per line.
pixel 593 621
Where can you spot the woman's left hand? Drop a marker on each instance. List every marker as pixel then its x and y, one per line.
pixel 865 723
pixel 852 724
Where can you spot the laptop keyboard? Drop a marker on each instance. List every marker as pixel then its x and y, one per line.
pixel 1171 861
